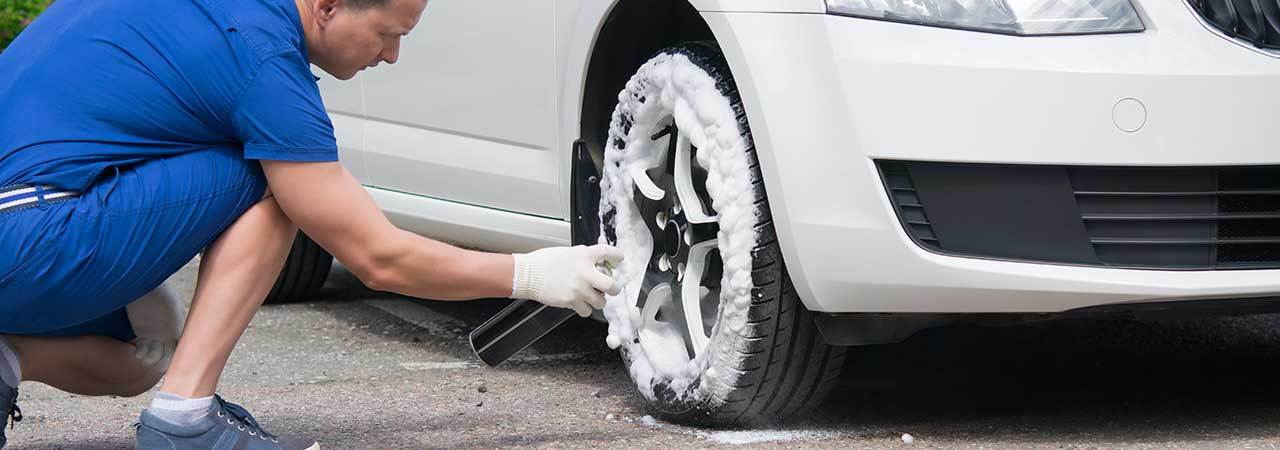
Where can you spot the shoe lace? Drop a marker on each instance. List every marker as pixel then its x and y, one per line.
pixel 14 412
pixel 239 413
pixel 15 415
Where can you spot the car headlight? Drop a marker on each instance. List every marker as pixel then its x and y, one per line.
pixel 1021 17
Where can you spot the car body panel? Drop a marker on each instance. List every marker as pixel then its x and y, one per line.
pixel 872 89
pixel 345 103
pixel 468 225
pixel 826 96
pixel 426 133
pixel 775 6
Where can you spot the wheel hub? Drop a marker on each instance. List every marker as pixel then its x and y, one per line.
pixel 672 239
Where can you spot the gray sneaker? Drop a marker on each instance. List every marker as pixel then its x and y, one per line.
pixel 8 406
pixel 228 427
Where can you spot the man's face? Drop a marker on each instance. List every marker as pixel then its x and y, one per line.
pixel 347 40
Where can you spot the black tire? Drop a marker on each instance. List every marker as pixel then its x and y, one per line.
pixel 304 272
pixel 784 366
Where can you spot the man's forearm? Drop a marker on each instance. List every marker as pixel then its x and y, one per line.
pixel 329 204
pixel 326 202
pixel 421 267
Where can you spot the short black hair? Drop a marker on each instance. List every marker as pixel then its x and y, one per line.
pixel 365 4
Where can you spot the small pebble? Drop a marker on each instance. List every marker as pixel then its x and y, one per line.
pixel 907 438
pixel 609 416
pixel 596 394
pixel 479 403
pixel 482 388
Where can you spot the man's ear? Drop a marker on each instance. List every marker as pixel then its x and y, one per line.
pixel 325 10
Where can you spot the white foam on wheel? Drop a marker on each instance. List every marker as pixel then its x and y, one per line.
pixel 675 87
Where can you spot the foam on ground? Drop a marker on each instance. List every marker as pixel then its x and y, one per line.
pixel 741 437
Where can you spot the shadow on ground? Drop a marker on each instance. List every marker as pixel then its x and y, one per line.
pixel 1107 381
pixel 582 338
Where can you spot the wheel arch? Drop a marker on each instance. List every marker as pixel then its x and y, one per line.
pixel 618 50
pixel 601 73
pixel 604 50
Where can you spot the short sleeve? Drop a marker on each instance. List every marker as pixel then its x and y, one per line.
pixel 281 116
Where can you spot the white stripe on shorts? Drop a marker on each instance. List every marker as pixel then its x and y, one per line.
pixel 17 192
pixel 52 194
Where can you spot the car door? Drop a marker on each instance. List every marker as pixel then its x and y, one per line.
pixel 468 114
pixel 343 100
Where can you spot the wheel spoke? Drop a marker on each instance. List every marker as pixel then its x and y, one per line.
pixel 676 315
pixel 653 301
pixel 647 180
pixel 652 280
pixel 692 294
pixel 689 199
pixel 645 185
pixel 679 296
pixel 648 211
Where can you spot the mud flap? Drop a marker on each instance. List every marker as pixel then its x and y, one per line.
pixel 523 322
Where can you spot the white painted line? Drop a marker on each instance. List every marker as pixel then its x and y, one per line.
pixel 438 365
pixel 538 357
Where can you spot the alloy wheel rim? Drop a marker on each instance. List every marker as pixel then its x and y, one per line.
pixel 679 298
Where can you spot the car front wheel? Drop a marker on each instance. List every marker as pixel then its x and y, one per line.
pixel 709 325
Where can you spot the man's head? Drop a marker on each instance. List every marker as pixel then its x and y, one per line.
pixel 347 36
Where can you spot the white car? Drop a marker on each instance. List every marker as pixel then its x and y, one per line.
pixel 791 177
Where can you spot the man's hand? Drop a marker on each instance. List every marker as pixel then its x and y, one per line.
pixel 567 277
pixel 157 321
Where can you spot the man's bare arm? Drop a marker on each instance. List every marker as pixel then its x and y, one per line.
pixel 327 202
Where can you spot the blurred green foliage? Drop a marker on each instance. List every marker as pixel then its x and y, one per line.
pixel 16 15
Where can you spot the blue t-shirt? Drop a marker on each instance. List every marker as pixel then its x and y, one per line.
pixel 93 84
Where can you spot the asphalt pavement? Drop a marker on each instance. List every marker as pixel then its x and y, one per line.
pixel 359 369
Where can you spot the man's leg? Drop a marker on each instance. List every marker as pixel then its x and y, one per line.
pixel 96 357
pixel 236 274
pixel 85 365
pixel 123 237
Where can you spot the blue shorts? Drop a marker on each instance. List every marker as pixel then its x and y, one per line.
pixel 69 268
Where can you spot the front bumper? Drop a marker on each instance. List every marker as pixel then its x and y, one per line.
pixel 828 96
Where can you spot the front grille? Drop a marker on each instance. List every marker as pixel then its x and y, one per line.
pixel 1256 21
pixel 1200 218
pixel 1164 218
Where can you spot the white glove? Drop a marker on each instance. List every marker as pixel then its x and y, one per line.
pixel 567 277
pixel 157 321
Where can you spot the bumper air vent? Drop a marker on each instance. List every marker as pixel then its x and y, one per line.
pixel 903 195
pixel 1200 218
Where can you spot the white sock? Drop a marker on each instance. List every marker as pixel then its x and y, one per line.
pixel 180 410
pixel 10 367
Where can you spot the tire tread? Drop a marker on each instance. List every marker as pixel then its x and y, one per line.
pixel 304 272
